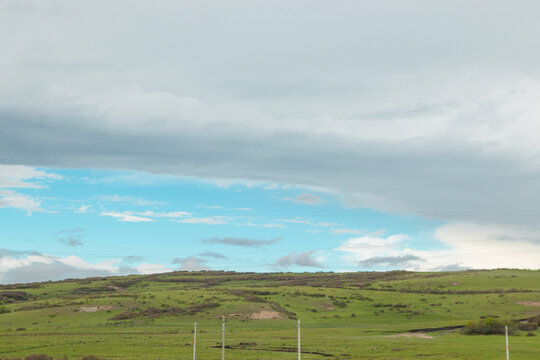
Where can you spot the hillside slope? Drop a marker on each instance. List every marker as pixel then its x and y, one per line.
pixel 368 315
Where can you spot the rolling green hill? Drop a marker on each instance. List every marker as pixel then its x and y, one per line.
pixel 365 315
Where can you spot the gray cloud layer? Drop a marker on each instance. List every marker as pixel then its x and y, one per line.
pixel 304 259
pixel 72 237
pixel 391 262
pixel 17 254
pixel 245 242
pixel 213 255
pixel 421 108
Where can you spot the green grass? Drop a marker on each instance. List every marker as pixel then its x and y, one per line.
pixel 344 316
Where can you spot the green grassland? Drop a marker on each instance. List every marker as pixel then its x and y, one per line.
pixel 365 315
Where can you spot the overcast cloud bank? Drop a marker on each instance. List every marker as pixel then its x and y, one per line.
pixel 420 108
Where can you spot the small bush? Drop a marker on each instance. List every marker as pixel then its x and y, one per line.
pixel 38 357
pixel 535 320
pixel 530 334
pixel 527 327
pixel 91 357
pixel 489 326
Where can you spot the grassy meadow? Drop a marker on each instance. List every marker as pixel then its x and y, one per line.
pixel 365 315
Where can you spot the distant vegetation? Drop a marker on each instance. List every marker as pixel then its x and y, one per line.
pixel 369 315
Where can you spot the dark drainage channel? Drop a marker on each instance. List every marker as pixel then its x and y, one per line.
pixel 282 349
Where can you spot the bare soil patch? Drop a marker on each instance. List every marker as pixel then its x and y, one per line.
pixel 95 308
pixel 529 303
pixel 266 314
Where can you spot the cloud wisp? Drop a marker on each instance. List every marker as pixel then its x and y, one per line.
pixel 307 199
pixel 126 217
pixel 390 262
pixel 71 237
pixel 243 242
pixel 132 200
pixel 212 220
pixel 213 255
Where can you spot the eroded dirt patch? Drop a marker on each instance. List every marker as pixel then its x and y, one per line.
pixel 266 314
pixel 529 303
pixel 95 308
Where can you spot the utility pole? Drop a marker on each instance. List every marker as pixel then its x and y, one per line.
pixel 223 339
pixel 299 352
pixel 195 341
pixel 507 350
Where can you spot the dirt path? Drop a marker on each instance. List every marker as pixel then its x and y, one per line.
pixel 529 303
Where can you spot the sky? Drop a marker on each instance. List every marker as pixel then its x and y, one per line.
pixel 267 136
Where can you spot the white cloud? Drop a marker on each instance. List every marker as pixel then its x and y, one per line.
pixel 15 200
pixel 133 200
pixel 144 216
pixel 126 217
pixel 16 176
pixel 327 224
pixel 268 225
pixel 213 220
pixel 485 246
pixel 365 247
pixel 297 220
pixel 152 268
pixel 19 176
pixel 171 214
pixel 348 231
pixel 191 263
pixel 47 267
pixel 211 206
pixel 20 267
pixel 306 198
pixel 83 209
pixel 455 246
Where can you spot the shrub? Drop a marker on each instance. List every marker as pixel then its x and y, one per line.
pixel 527 327
pixel 38 357
pixel 489 326
pixel 91 357
pixel 535 320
